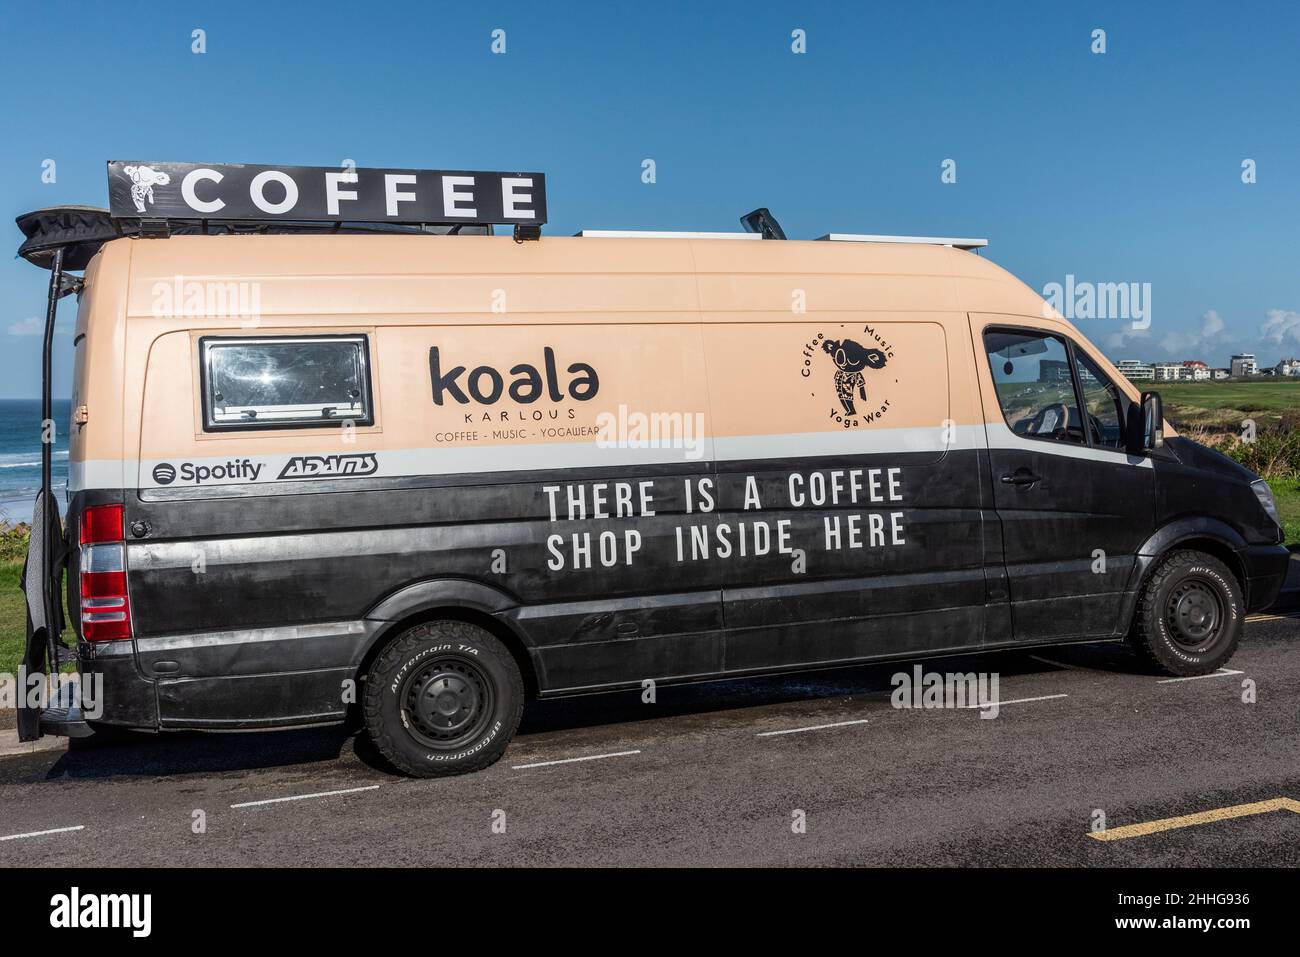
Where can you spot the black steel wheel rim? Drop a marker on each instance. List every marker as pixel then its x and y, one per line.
pixel 447 702
pixel 1194 613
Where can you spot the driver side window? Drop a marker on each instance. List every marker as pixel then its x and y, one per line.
pixel 1031 372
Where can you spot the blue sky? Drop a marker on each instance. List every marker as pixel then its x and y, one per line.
pixel 1115 167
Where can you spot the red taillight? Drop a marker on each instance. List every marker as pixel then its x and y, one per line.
pixel 102 523
pixel 105 607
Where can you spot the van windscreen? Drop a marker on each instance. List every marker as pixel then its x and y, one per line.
pixel 284 382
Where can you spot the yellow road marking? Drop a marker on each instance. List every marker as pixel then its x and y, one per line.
pixel 1201 817
pixel 1270 616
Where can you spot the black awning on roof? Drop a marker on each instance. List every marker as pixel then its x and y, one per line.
pixel 79 230
pixel 82 230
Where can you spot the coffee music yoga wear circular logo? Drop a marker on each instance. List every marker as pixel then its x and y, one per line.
pixel 841 369
pixel 164 474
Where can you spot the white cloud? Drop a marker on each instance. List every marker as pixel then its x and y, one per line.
pixel 1124 336
pixel 35 326
pixel 1211 339
pixel 27 327
pixel 1213 331
pixel 1280 324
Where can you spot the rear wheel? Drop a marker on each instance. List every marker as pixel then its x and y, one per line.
pixel 443 698
pixel 1189 615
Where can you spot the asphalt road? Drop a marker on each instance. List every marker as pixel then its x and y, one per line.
pixel 709 783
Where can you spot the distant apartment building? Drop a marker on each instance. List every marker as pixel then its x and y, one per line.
pixel 1288 367
pixel 1244 364
pixel 1135 370
pixel 1189 370
pixel 1167 371
pixel 1218 375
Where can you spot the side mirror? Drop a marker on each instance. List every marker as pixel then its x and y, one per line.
pixel 1145 430
pixel 1153 421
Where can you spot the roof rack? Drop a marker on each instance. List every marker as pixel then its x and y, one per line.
pixel 917 240
pixel 659 234
pixel 81 230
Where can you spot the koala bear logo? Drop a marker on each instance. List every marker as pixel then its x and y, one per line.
pixel 143 180
pixel 850 359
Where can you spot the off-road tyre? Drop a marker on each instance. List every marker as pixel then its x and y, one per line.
pixel 443 698
pixel 1189 616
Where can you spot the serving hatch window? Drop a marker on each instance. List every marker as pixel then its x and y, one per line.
pixel 285 382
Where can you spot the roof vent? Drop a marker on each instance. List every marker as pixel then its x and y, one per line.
pixel 762 222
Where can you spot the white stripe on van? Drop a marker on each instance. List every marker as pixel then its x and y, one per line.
pixel 253 469
pixel 957 438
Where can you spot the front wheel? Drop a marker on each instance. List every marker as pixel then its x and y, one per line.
pixel 1189 615
pixel 443 698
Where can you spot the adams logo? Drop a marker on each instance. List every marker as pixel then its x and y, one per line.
pixel 850 363
pixel 330 466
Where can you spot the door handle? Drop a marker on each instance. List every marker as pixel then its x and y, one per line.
pixel 1021 476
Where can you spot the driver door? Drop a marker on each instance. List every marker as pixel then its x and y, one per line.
pixel 1074 506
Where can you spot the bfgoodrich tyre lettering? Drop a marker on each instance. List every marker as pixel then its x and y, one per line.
pixel 443 698
pixel 1189 615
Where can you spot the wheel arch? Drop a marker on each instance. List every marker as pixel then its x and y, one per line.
pixel 451 600
pixel 1210 535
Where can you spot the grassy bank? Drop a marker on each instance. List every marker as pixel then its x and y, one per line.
pixel 1287 492
pixel 1215 413
pixel 13 617
pixel 13 603
pixel 1223 405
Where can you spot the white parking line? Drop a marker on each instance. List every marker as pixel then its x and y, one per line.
pixel 589 757
pixel 815 727
pixel 53 830
pixel 303 797
pixel 999 704
pixel 1221 673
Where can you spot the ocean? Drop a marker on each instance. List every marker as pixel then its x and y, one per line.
pixel 20 456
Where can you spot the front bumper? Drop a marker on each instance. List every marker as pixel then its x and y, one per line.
pixel 1266 571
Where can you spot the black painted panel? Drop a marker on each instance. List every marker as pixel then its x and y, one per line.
pixel 1071 538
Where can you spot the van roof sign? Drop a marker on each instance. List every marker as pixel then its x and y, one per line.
pixel 226 192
